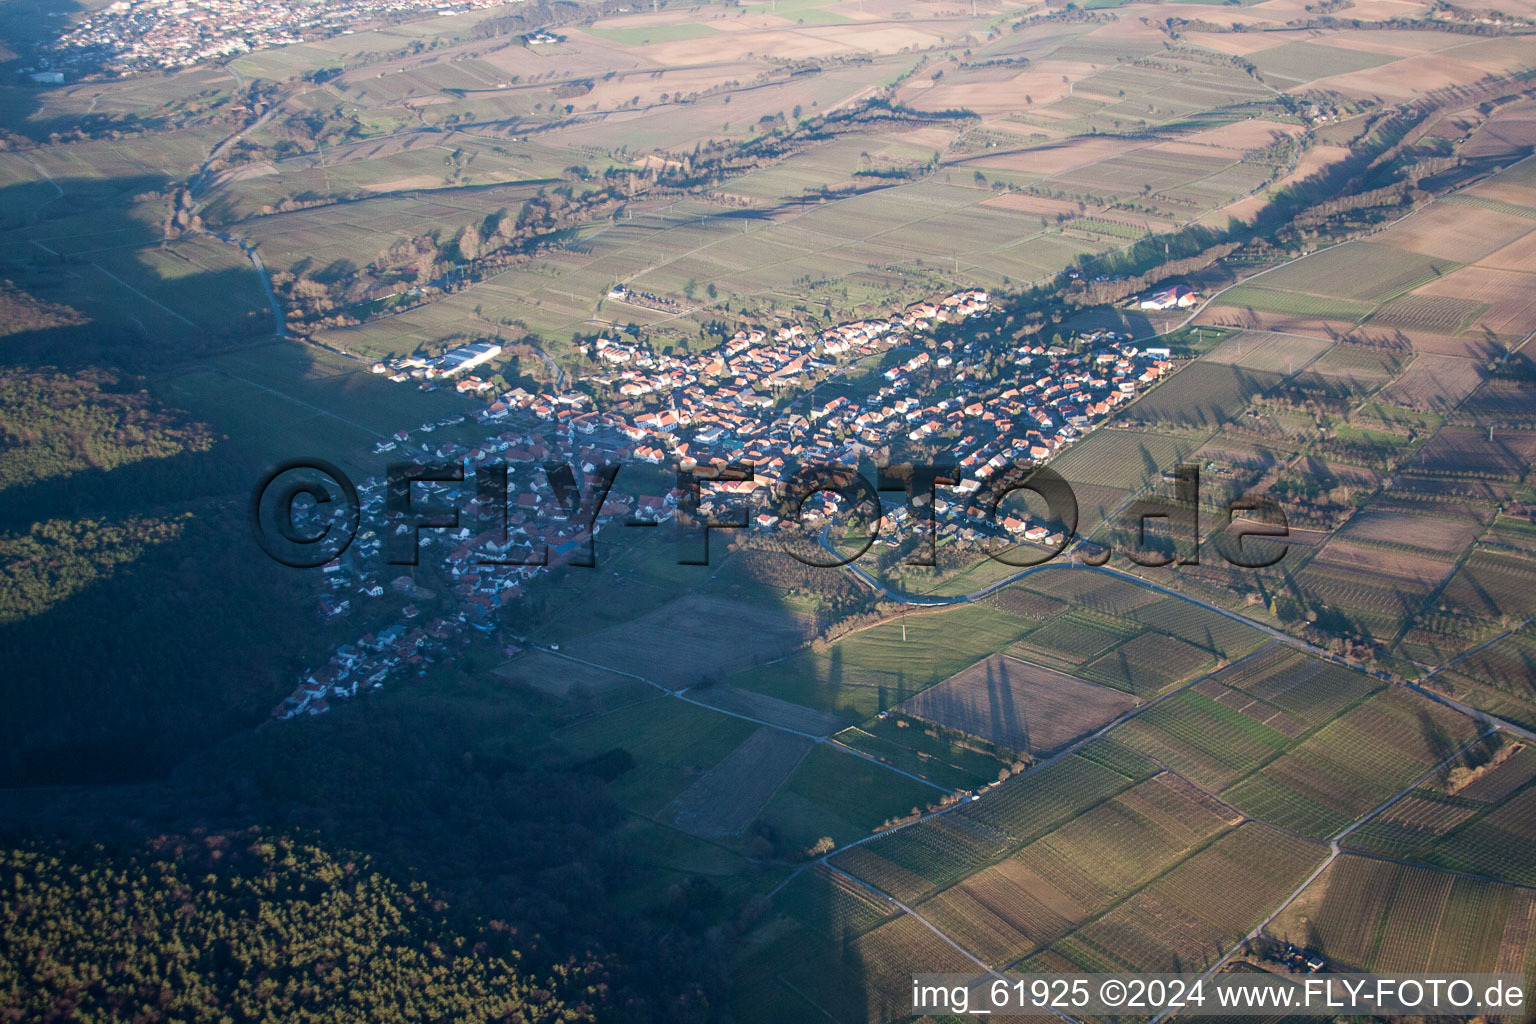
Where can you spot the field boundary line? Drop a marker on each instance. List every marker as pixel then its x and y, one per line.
pixel 683 696
pixel 933 928
pixel 297 401
pixel 1335 852
pixel 1404 862
pixel 1066 751
pixel 153 302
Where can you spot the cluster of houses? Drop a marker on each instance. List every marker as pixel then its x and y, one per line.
pixel 981 405
pixel 486 562
pixel 155 35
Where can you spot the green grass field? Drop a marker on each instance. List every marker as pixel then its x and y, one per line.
pixel 875 669
pixel 835 794
pixel 670 741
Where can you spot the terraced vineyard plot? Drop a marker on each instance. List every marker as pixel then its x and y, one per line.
pixel 1409 825
pixel 1200 395
pixel 1220 634
pixel 1436 313
pixel 1201 739
pixel 1039 893
pixel 726 799
pixel 1491 585
pixel 1075 638
pixel 1018 705
pixel 913 861
pixel 1099 592
pixel 871 979
pixel 1498 844
pixel 1149 664
pixel 1467 451
pixel 835 907
pixel 1271 300
pixel 1378 916
pixel 1190 917
pixel 1352 764
pixel 1031 804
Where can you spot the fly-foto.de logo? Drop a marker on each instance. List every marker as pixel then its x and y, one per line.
pixel 307 512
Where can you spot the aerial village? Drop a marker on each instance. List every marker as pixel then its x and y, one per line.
pixel 743 402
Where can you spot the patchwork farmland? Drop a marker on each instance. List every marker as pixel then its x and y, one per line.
pixel 1288 245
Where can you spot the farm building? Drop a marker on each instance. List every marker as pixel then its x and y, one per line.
pixel 467 357
pixel 1178 297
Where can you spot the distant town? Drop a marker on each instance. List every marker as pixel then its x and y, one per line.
pixel 130 36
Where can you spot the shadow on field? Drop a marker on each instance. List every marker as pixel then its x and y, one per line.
pixel 125 657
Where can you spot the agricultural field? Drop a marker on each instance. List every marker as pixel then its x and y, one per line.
pixel 1102 594
pixel 1267 352
pixel 1075 638
pixel 929 751
pixel 1037 894
pixel 1352 764
pixel 1202 739
pixel 1126 459
pixel 797 793
pixel 1222 635
pixel 560 677
pixel 835 794
pixel 1273 300
pixel 1362 272
pixel 1019 706
pixel 1148 664
pixel 1201 397
pixel 1378 916
pixel 1493 585
pixel 763 708
pixel 1468 451
pixel 669 744
pixel 693 638
pixel 918 859
pixel 1189 917
pixel 1457 820
pixel 1314 690
pixel 729 796
pixel 870 979
pixel 833 905
pixel 878 667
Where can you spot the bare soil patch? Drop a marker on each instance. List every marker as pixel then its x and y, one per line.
pixel 1018 705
